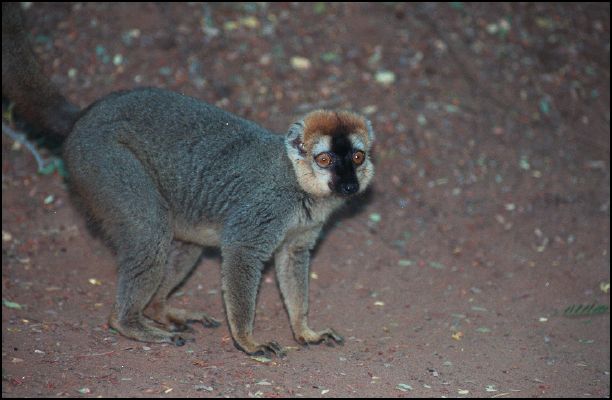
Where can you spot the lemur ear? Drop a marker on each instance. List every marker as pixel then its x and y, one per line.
pixel 295 139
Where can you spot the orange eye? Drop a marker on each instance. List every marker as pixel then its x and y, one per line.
pixel 358 157
pixel 323 160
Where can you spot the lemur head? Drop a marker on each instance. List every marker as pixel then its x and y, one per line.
pixel 330 152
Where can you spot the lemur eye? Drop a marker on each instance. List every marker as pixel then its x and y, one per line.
pixel 323 160
pixel 358 157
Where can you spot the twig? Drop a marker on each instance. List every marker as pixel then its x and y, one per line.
pixel 21 138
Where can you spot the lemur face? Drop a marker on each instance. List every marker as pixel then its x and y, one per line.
pixel 330 153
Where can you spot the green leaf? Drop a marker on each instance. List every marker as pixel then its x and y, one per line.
pixel 61 168
pixel 405 263
pixel 545 106
pixel 10 304
pixel 404 387
pixel 55 164
pixel 436 265
pixel 319 7
pixel 330 56
pixel 47 169
pixel 581 310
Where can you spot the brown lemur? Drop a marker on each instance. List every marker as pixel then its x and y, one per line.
pixel 154 168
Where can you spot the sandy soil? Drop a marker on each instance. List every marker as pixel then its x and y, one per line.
pixel 489 215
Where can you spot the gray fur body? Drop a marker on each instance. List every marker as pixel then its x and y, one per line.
pixel 207 166
pixel 153 168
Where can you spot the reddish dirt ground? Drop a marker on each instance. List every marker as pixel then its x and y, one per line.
pixel 488 217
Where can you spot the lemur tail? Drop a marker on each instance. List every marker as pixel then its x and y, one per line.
pixel 36 99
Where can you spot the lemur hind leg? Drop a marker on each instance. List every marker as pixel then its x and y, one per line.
pixel 182 261
pixel 134 217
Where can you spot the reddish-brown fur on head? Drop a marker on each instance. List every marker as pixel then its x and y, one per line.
pixel 331 123
pixel 339 134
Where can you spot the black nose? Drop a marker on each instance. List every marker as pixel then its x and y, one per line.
pixel 349 188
